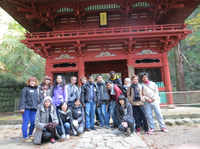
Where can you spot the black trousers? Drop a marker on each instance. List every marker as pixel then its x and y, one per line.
pixel 139 113
pixel 130 124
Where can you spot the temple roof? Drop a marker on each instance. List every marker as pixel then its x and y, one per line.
pixel 33 24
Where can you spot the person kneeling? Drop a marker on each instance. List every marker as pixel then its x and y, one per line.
pixel 46 121
pixel 125 116
pixel 65 121
pixel 78 116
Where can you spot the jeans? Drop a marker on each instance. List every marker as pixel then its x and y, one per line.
pixel 104 117
pixel 90 113
pixel 66 127
pixel 114 113
pixel 28 116
pixel 79 130
pixel 139 113
pixel 154 106
pixel 130 124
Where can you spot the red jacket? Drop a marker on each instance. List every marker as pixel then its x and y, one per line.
pixel 117 93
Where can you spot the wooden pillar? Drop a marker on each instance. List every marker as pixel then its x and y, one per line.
pixel 167 80
pixel 48 68
pixel 81 71
pixel 130 65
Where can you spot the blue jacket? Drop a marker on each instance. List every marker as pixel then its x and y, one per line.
pixel 78 114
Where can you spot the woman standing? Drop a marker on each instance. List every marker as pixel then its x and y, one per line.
pixel 45 87
pixel 46 121
pixel 29 101
pixel 59 91
pixel 78 116
pixel 65 121
pixel 83 80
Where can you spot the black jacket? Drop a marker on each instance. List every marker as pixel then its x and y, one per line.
pixel 65 117
pixel 116 81
pixel 30 98
pixel 78 114
pixel 85 92
pixel 121 115
pixel 103 92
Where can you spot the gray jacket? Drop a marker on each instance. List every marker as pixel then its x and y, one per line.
pixel 73 92
pixel 41 121
pixel 85 92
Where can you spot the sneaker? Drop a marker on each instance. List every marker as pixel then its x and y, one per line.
pixel 107 127
pixel 114 126
pixel 148 132
pixel 151 129
pixel 100 126
pixel 67 137
pixel 132 134
pixel 27 140
pixel 31 137
pixel 93 128
pixel 164 129
pixel 52 140
pixel 138 131
pixel 87 129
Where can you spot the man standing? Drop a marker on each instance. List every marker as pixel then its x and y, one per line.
pixel 114 79
pixel 152 103
pixel 72 91
pixel 114 91
pixel 90 97
pixel 104 116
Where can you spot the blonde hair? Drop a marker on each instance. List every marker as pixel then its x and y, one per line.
pixel 73 77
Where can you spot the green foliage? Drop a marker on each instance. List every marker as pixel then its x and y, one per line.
pixel 191 52
pixel 15 57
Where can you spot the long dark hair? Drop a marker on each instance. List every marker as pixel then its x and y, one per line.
pixel 62 84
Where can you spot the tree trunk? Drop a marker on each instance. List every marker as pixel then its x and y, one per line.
pixel 180 81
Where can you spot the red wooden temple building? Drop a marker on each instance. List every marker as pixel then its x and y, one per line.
pixel 97 36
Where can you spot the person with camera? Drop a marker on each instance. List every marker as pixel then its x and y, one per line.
pixel 135 94
pixel 72 91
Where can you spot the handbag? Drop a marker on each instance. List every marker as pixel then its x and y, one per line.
pixel 46 134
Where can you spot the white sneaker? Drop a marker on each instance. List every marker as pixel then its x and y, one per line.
pixel 151 129
pixel 67 137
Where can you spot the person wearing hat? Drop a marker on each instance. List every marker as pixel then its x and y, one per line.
pixel 152 101
pixel 115 79
pixel 46 121
pixel 125 116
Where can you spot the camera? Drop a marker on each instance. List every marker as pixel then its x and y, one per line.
pixel 71 94
pixel 137 97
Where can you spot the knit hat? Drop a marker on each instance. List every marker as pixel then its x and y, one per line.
pixel 47 98
pixel 144 74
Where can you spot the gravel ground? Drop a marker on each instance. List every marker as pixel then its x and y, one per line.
pixel 178 135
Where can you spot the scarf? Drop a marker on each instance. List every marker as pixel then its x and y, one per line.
pixel 136 96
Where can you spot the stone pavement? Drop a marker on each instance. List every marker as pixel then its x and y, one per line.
pixel 11 138
pixel 109 139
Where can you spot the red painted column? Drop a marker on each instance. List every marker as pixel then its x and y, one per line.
pixel 167 80
pixel 81 71
pixel 47 70
pixel 130 67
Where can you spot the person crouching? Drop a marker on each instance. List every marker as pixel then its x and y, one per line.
pixel 125 116
pixel 65 121
pixel 46 121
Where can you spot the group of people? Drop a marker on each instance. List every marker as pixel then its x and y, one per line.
pixel 64 109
